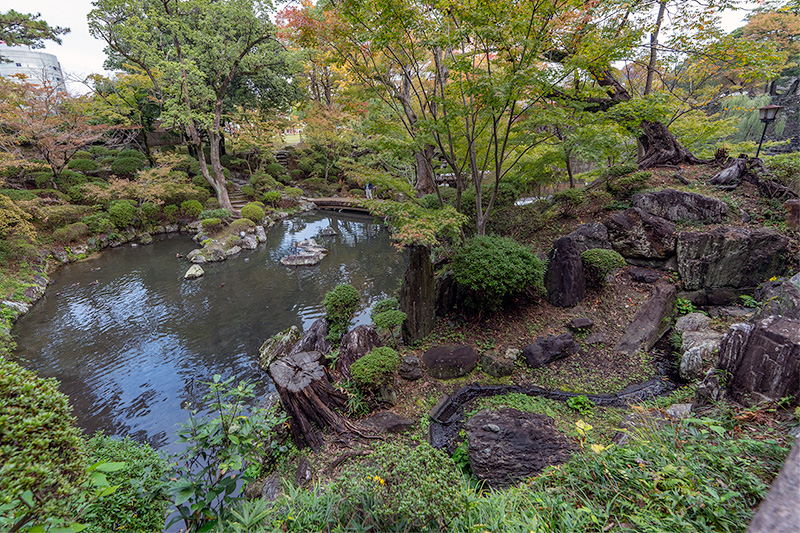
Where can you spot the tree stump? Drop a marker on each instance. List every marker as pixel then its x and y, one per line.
pixel 309 398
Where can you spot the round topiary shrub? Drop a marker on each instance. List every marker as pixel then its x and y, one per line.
pixel 191 208
pixel 83 165
pixel 211 224
pixel 241 224
pixel 271 197
pixel 599 263
pixel 132 153
pixel 122 213
pixel 494 269
pixel 293 192
pixel 150 213
pixel 41 450
pixel 249 191
pixel 340 306
pixel 254 212
pixel 171 213
pixel 376 368
pixel 69 178
pixel 82 154
pixel 126 166
pixel 98 223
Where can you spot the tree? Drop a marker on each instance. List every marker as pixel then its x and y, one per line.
pixel 25 28
pixel 201 49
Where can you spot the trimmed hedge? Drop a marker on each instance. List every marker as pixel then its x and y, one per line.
pixel 254 212
pixel 376 368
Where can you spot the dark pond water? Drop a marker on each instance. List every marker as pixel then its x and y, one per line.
pixel 130 340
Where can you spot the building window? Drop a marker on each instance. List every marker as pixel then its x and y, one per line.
pixel 19 64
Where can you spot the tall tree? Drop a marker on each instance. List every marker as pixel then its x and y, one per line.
pixel 25 28
pixel 195 52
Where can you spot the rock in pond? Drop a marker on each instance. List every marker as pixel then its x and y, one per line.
pixel 194 272
pixel 448 362
pixel 507 446
pixel 547 349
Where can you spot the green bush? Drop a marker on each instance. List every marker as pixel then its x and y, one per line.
pixel 198 180
pixel 494 269
pixel 140 501
pixel 171 213
pixel 98 223
pixel 83 165
pixel 357 192
pixel 625 186
pixel 212 203
pixel 254 212
pixel 191 208
pixel 620 170
pixel 249 191
pixel 73 232
pixel 41 450
pixel 569 200
pixel 107 161
pixel 69 178
pixel 241 224
pixel 376 368
pixel 57 216
pixel 293 192
pixel 82 154
pixel 262 181
pixel 43 179
pixel 100 150
pixel 211 224
pixel 122 213
pixel 785 169
pixel 51 193
pixel 506 195
pixel 271 197
pixel 599 263
pixel 18 194
pixel 340 306
pixel 127 166
pixel 214 213
pixel 297 174
pixel 150 213
pixel 381 306
pixel 275 170
pixel 130 153
pixel 431 201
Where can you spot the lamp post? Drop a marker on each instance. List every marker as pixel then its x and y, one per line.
pixel 767 115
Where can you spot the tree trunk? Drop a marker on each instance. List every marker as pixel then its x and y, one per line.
pixel 417 297
pixel 661 148
pixel 309 398
pixel 425 178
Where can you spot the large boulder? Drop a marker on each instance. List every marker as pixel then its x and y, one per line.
pixel 498 365
pixel 452 361
pixel 564 280
pixel 724 261
pixel 277 346
pixel 763 360
pixel 590 236
pixel 781 508
pixel 314 339
pixel 544 350
pixel 195 271
pixel 779 297
pixel 793 213
pixel 355 344
pixel 635 233
pixel 680 206
pixel 387 422
pixel 417 295
pixel 507 446
pixel 651 321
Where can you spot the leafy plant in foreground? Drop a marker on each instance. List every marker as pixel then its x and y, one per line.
pixel 340 307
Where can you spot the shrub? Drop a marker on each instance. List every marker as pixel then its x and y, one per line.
pixel 275 170
pixel 57 216
pixel 43 180
pixel 214 213
pixel 171 213
pixel 506 195
pixel 130 153
pixel 620 170
pixel 625 186
pixel 495 269
pixel 254 212
pixel 293 192
pixel 126 166
pixel 249 191
pixel 98 223
pixel 212 203
pixel 389 321
pixel 340 306
pixel 107 161
pixel 241 224
pixel 83 165
pixel 262 181
pixel 376 368
pixel 599 263
pixel 18 194
pixel 69 178
pixel 785 168
pixel 198 180
pixel 100 150
pixel 82 154
pixel 41 449
pixel 568 200
pixel 50 193
pixel 150 213
pixel 122 213
pixel 271 197
pixel 387 304
pixel 191 208
pixel 297 174
pixel 73 232
pixel 139 503
pixel 211 224
pixel 357 192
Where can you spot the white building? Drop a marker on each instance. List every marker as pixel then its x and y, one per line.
pixel 37 66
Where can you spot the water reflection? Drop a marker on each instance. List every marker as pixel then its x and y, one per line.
pixel 129 339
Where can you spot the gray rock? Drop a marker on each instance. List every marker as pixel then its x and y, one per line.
pixel 329 232
pixel 233 250
pixel 780 510
pixel 564 280
pixel 692 363
pixel 507 446
pixel 303 259
pixel 590 236
pixel 313 340
pixel 261 234
pixel 196 256
pixel 216 253
pixel 34 292
pixel 635 233
pixel 418 296
pixel 79 249
pixel 680 206
pixel 40 280
pixel 171 228
pixel 792 213
pixel 708 340
pixel 194 272
pixel 387 422
pixel 146 238
pixel 650 323
pixel 780 297
pixel 692 322
pixel 448 362
pixel 304 473
pixel 19 308
pixel 277 346
pixel 644 275
pixel 547 349
pixel 580 324
pixel 677 411
pixel 595 337
pixel 355 344
pixel 410 368
pixel 730 257
pixel 512 354
pixel 497 365
pixel 266 489
pixel 249 242
pixel 61 256
pixel 795 280
pixel 387 394
pixel 195 226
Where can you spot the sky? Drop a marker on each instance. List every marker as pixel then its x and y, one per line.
pixel 80 54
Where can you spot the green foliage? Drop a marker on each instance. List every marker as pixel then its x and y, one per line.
pixel 83 165
pixel 127 166
pixel 42 462
pixel 507 194
pixel 98 223
pixel 340 306
pixel 254 212
pixel 249 191
pixel 624 186
pixel 171 213
pixel 598 263
pixel 431 201
pixel 389 321
pixel 191 208
pixel 376 368
pixel 227 447
pixel 211 224
pixel 212 203
pixel 293 192
pixel 413 225
pixel 684 306
pixel 262 181
pixel 69 178
pixel 581 403
pixel 242 224
pixel 122 213
pixel 749 301
pixel 387 304
pixel 131 153
pixel 139 503
pixel 620 170
pixel 82 154
pixel 785 168
pixel 569 200
pixel 56 216
pixel 271 197
pixel 276 170
pixel 495 269
pixel 18 194
pixel 224 214
pixel 73 232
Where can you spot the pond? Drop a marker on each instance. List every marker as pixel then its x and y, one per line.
pixel 131 341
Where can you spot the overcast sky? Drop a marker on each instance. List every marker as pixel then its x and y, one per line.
pixel 81 54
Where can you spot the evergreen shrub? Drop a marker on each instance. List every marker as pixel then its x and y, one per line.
pixel 241 224
pixel 214 213
pixel 126 166
pixel 249 191
pixel 72 233
pixel 293 192
pixel 340 306
pixel 376 368
pixel 83 165
pixel 191 208
pixel 598 263
pixel 211 224
pixel 171 213
pixel 98 223
pixel 122 213
pixel 212 203
pixel 254 212
pixel 271 197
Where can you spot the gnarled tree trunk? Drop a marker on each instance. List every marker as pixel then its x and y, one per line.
pixel 661 148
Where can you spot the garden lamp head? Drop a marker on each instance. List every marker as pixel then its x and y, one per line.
pixel 768 113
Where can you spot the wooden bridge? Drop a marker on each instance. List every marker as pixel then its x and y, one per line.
pixel 338 204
